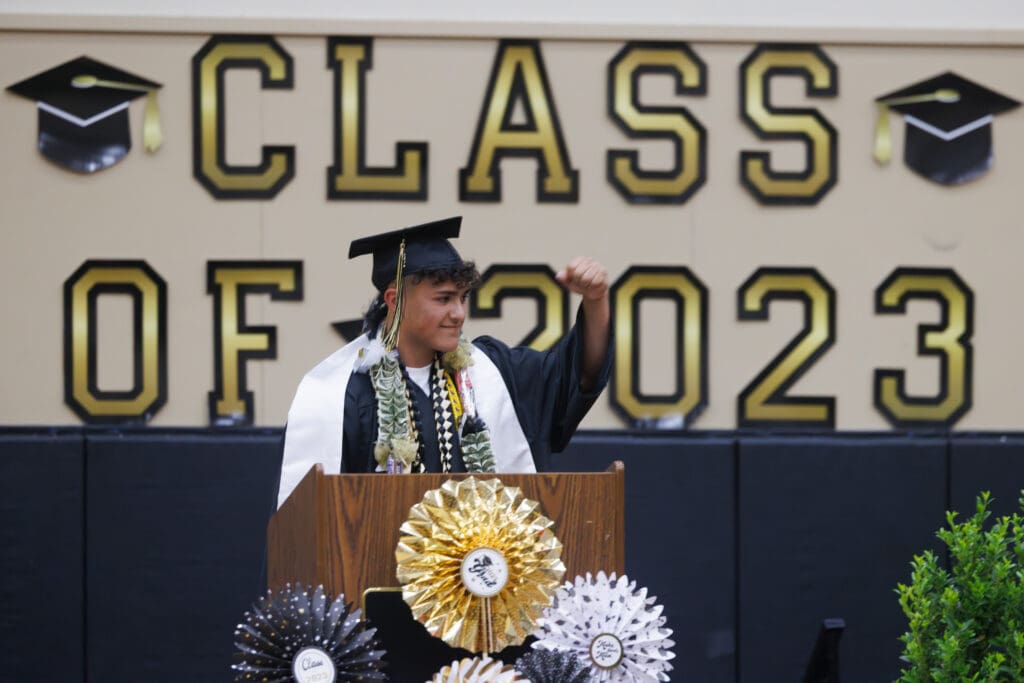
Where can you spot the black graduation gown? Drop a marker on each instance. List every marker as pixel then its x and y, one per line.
pixel 545 390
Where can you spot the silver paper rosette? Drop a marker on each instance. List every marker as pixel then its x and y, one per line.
pixel 611 625
pixel 296 634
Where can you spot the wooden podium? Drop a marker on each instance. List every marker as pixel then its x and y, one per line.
pixel 341 530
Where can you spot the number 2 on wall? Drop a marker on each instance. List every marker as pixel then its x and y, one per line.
pixel 763 402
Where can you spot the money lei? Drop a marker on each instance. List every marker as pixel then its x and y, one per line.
pixel 477 452
pixel 395 436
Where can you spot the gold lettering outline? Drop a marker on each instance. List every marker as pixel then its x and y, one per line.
pixel 760 159
pixel 766 393
pixel 548 184
pixel 891 297
pixel 277 161
pixel 685 84
pixel 278 292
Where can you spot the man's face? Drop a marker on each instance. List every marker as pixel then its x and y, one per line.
pixel 432 319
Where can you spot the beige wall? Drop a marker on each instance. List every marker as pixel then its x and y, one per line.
pixel 149 207
pixel 874 14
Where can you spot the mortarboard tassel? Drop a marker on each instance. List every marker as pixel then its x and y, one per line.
pixel 152 134
pixel 390 336
pixel 883 139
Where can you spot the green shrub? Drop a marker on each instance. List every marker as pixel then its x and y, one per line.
pixel 968 624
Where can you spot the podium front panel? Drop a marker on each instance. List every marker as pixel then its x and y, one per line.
pixel 342 530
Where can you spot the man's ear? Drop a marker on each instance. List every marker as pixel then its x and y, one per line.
pixel 390 295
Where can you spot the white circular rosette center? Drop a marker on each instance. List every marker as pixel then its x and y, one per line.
pixel 313 665
pixel 484 572
pixel 606 651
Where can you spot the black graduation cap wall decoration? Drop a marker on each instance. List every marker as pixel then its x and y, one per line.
pixel 83 113
pixel 948 133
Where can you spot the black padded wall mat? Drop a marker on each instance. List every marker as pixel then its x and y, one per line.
pixel 176 545
pixel 989 463
pixel 131 554
pixel 679 536
pixel 41 543
pixel 827 527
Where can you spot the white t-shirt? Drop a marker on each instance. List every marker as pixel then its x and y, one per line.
pixel 422 377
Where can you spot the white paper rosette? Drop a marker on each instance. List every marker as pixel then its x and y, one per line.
pixel 610 625
pixel 476 670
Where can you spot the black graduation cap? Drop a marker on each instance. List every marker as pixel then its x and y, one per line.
pixel 426 247
pixel 948 134
pixel 83 113
pixel 406 251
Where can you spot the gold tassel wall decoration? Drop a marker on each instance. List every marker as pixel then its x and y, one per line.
pixel 152 134
pixel 883 139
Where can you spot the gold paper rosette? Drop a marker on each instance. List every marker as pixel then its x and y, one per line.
pixel 490 523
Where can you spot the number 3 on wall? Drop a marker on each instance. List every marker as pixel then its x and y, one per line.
pixel 950 340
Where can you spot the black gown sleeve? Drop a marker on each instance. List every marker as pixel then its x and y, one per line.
pixel 545 388
pixel 359 428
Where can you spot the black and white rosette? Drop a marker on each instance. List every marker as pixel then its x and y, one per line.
pixel 553 666
pixel 297 636
pixel 611 626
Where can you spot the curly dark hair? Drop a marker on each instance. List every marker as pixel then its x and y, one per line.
pixel 464 275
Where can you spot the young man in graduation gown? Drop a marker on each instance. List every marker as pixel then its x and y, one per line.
pixel 413 395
